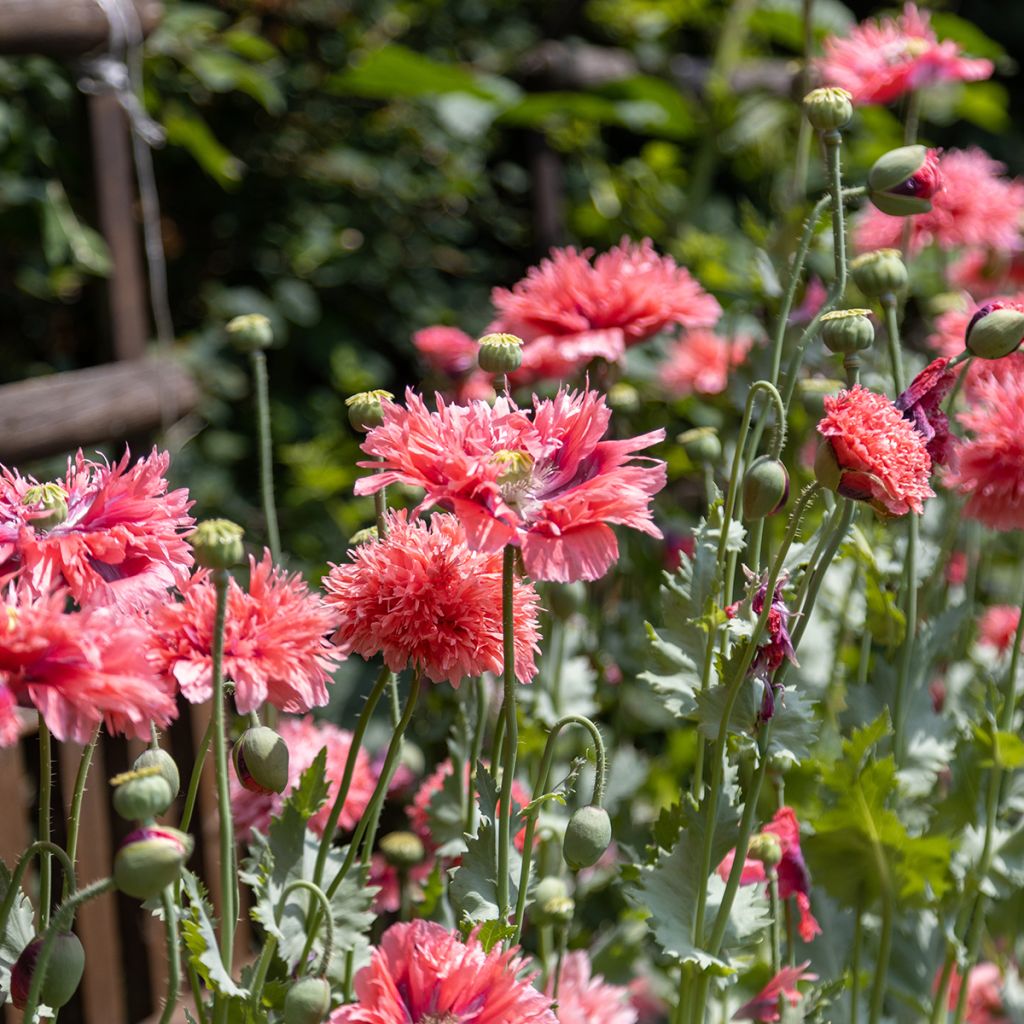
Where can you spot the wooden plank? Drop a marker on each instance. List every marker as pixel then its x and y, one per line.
pixel 63 28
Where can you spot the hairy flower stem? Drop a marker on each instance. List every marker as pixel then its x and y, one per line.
pixel 14 886
pixel 74 818
pixel 511 729
pixel 259 372
pixel 45 823
pixel 479 725
pixel 173 955
pixel 890 309
pixel 775 910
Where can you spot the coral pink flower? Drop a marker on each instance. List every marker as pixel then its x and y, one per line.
pixel 700 361
pixel 882 459
pixel 421 596
pixel 452 354
pixel 921 405
pixel 424 973
pixel 546 483
pixel 305 738
pixel 991 463
pixel 120 542
pixel 986 273
pixel 984 994
pixel 976 207
pixel 274 640
pixel 570 311
pixel 765 1005
pixel 586 998
pixel 387 881
pixel 794 878
pixel 77 669
pixel 650 1007
pixel 880 61
pixel 998 626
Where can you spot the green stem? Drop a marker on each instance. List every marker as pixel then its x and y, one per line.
pixel 45 830
pixel 909 637
pixel 14 886
pixel 173 955
pixel 511 728
pixel 74 818
pixel 884 950
pixel 480 692
pixel 890 309
pixel 912 117
pixel 858 941
pixel 380 508
pixel 775 910
pixel 259 370
pixel 197 774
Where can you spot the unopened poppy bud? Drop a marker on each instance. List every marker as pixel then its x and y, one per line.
pixel 366 410
pixel 587 836
pixel 51 501
pixel 63 971
pixel 827 470
pixel 162 760
pixel 828 109
pixel 402 849
pixel 217 543
pixel 847 330
pixel 623 397
pixel 812 391
pixel 996 330
pixel 903 181
pixel 879 273
pixel 552 904
pixel 141 794
pixel 565 599
pixel 150 859
pixel 701 444
pixel 766 848
pixel 364 536
pixel 251 332
pixel 500 353
pixel 307 1001
pixel 765 488
pixel 261 760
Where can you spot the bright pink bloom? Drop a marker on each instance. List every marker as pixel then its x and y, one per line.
pixel 794 878
pixel 586 998
pixel 570 311
pixel 546 483
pixel 975 207
pixel 701 361
pixel 77 669
pixel 879 62
pixel 998 625
pixel 424 973
pixel 921 405
pixel 991 463
pixel 305 738
pixel 986 273
pixel 121 543
pixel 765 1005
pixel 274 640
pixel 421 596
pixel 984 994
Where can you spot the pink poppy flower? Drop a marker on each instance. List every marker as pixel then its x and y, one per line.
pixel 423 972
pixel 570 311
pixel 422 597
pixel 984 994
pixel 305 738
pixel 385 878
pixel 275 647
pixel 794 878
pixel 586 998
pixel 546 483
pixel 976 207
pixel 765 1005
pixel 879 62
pixel 116 540
pixel 998 626
pixel 650 1007
pixel 921 405
pixel 77 669
pixel 987 273
pixel 701 361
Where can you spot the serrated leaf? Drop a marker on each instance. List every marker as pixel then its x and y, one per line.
pixel 309 795
pixel 446 816
pixel 474 887
pixel 18 932
pixel 488 791
pixel 201 940
pixel 492 932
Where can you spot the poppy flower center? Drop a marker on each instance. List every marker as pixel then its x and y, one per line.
pixel 515 475
pixel 50 503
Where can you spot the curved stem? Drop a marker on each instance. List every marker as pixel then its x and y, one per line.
pixel 14 887
pixel 266 450
pixel 45 823
pixel 74 818
pixel 508 769
pixel 197 774
pixel 325 908
pixel 173 955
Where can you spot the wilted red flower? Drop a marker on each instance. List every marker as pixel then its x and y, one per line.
pixel 586 998
pixel 881 458
pixel 879 62
pixel 116 539
pixel 921 405
pixel 77 669
pixel 423 972
pixel 275 648
pixel 420 596
pixel 570 311
pixel 546 483
pixel 976 207
pixel 765 1005
pixel 998 626
pixel 794 878
pixel 984 994
pixel 701 361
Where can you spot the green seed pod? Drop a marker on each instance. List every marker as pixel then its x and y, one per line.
pixel 565 599
pixel 402 849
pixel 995 331
pixel 150 859
pixel 52 500
pixel 586 837
pixel 251 332
pixel 903 181
pixel 766 848
pixel 701 444
pixel 879 273
pixel 500 353
pixel 551 902
pixel 307 1002
pixel 828 109
pixel 63 971
pixel 142 797
pixel 165 763
pixel 624 398
pixel 847 330
pixel 217 543
pixel 261 760
pixel 765 488
pixel 366 410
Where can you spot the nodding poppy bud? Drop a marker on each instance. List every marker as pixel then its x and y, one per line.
pixel 500 353
pixel 587 836
pixel 308 1001
pixel 565 599
pixel 552 904
pixel 828 109
pixel 260 757
pixel 903 181
pixel 402 849
pixel 701 444
pixel 52 501
pixel 366 410
pixel 766 848
pixel 996 330
pixel 150 859
pixel 162 760
pixel 217 543
pixel 251 332
pixel 879 273
pixel 141 794
pixel 765 488
pixel 63 971
pixel 847 330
